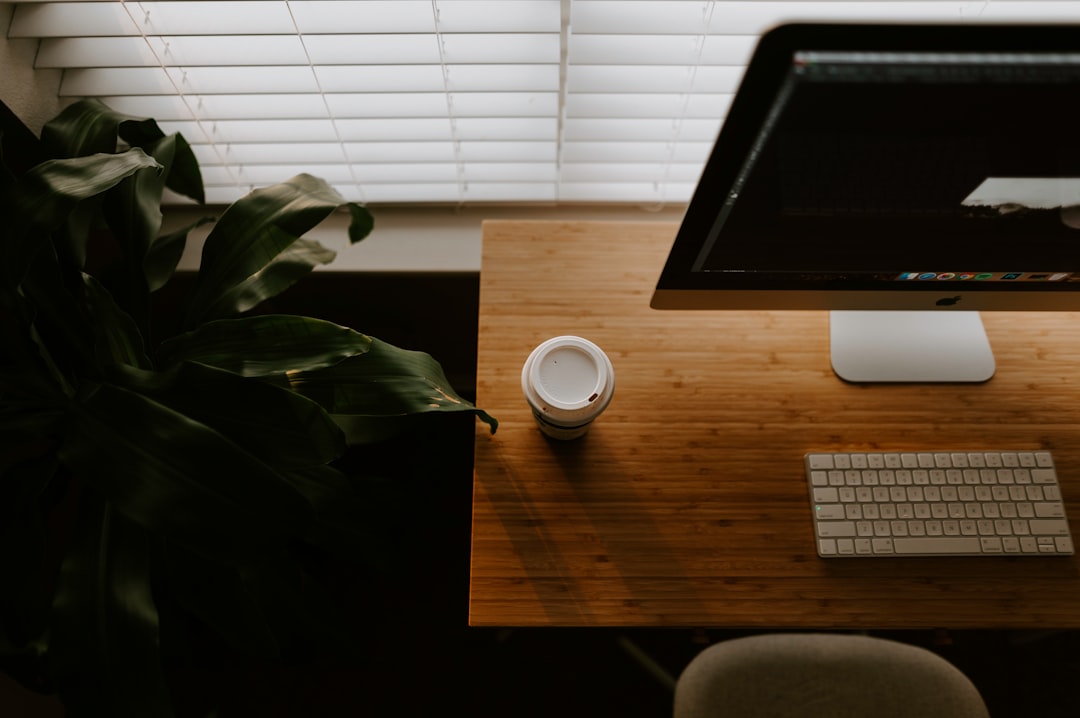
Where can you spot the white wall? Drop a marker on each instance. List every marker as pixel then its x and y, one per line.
pixel 31 94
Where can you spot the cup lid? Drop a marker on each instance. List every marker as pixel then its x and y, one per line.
pixel 569 376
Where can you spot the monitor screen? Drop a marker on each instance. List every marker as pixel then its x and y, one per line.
pixel 920 170
pixel 892 167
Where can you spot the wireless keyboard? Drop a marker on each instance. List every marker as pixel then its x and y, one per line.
pixel 957 503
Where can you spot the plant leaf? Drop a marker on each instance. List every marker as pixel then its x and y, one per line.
pixel 360 224
pixel 132 211
pixel 183 175
pixel 82 128
pixel 57 320
pixel 133 208
pixel 118 340
pixel 219 596
pixel 385 381
pixel 24 602
pixel 58 184
pixel 27 471
pixel 178 478
pixel 252 234
pixel 293 263
pixel 266 345
pixel 28 376
pixel 281 428
pixel 89 126
pixel 358 516
pixel 164 255
pixel 294 604
pixel 104 641
pixel 49 192
pixel 26 435
pixel 260 607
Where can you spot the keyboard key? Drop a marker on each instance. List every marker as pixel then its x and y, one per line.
pixel 1049 527
pixel 825 496
pixel 1043 476
pixel 827 512
pixel 1049 510
pixel 836 529
pixel 937 545
pixel 882 545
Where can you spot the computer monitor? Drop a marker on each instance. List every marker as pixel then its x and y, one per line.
pixel 904 177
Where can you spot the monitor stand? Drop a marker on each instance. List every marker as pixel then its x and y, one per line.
pixel 909 346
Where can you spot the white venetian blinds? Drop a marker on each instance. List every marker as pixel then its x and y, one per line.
pixel 442 101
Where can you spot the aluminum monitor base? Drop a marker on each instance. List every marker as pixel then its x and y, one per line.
pixel 909 346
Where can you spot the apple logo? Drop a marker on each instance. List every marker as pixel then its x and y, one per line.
pixel 948 301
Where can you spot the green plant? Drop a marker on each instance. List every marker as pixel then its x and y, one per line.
pixel 140 473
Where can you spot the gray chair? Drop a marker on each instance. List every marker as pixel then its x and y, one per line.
pixel 821 675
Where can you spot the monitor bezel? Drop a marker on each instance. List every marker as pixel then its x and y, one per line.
pixel 679 287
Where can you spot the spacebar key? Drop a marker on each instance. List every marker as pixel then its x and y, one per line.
pixel 942 545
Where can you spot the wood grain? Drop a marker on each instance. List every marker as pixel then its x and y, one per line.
pixel 686 504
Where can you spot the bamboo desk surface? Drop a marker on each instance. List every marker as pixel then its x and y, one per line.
pixel 686 504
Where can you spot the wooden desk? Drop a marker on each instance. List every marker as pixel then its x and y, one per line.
pixel 686 504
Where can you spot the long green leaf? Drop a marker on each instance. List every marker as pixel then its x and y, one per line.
pixel 183 175
pixel 261 607
pixel 27 471
pixel 252 234
pixel 164 255
pixel 82 128
pixel 132 211
pixel 118 338
pixel 361 222
pixel 28 441
pixel 49 192
pixel 28 377
pixel 219 596
pixel 133 208
pixel 385 381
pixel 57 184
pixel 59 321
pixel 178 478
pixel 266 345
pixel 296 606
pixel 291 265
pixel 89 127
pixel 25 602
pixel 104 645
pixel 359 516
pixel 279 427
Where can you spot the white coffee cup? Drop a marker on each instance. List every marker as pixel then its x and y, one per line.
pixel 568 382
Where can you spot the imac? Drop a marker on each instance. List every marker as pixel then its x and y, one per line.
pixel 904 177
